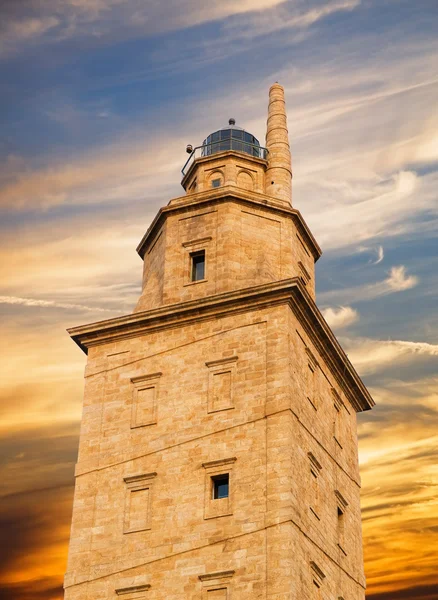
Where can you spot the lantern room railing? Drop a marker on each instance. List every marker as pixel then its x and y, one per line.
pixel 209 148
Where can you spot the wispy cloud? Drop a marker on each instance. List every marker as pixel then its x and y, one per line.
pixel 340 317
pixel 370 356
pixel 378 252
pixel 104 21
pixel 380 255
pixel 16 33
pixel 288 15
pixel 397 281
pixel 32 302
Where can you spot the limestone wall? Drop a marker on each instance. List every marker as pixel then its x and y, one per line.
pixel 165 412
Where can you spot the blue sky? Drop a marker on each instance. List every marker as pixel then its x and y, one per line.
pixel 98 101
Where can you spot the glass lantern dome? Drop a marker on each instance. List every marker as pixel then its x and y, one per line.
pixel 232 138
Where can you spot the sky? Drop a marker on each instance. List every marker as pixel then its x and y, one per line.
pixel 98 99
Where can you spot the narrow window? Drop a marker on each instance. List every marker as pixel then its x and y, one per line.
pixel 341 506
pixel 216 183
pixel 198 265
pixel 221 485
pixel 340 523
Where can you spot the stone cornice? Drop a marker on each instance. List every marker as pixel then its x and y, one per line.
pixel 225 194
pixel 288 291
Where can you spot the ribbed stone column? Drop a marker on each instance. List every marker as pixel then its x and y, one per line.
pixel 278 179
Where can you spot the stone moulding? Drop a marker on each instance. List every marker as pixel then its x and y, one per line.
pixel 219 463
pixel 133 590
pixel 218 575
pixel 337 399
pixel 314 462
pixel 341 500
pixel 288 291
pixel 142 378
pixel 317 575
pixel 221 361
pixel 132 479
pixel 312 359
pixel 196 242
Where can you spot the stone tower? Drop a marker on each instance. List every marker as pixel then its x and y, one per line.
pixel 218 448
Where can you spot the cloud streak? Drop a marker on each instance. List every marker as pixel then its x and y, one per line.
pixel 397 281
pixel 105 21
pixel 370 356
pixel 32 302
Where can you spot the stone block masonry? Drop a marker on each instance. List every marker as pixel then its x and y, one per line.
pixel 218 448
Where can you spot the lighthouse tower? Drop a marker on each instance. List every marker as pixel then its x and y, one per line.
pixel 218 447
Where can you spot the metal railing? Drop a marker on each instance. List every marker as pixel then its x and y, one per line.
pixel 222 146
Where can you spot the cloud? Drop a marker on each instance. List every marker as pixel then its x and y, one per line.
pixel 50 304
pixel 288 15
pixel 37 469
pixel 21 31
pixel 74 264
pixel 416 592
pixel 380 254
pixel 397 281
pixel 340 317
pixel 370 356
pixel 106 21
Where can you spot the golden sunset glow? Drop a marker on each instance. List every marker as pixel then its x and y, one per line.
pixel 99 99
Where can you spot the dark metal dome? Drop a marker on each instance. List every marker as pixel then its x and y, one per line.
pixel 232 138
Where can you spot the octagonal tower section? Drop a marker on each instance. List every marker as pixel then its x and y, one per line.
pixel 231 230
pixel 220 240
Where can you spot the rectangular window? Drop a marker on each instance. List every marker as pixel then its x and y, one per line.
pixel 198 265
pixel 216 183
pixel 220 487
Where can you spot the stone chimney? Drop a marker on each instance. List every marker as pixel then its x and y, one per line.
pixel 278 178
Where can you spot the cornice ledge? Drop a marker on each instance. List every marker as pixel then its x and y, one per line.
pixel 324 339
pixel 222 193
pixel 291 291
pixel 172 315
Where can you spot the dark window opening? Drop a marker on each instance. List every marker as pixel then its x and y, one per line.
pixel 216 183
pixel 340 526
pixel 198 266
pixel 221 486
pixel 340 521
